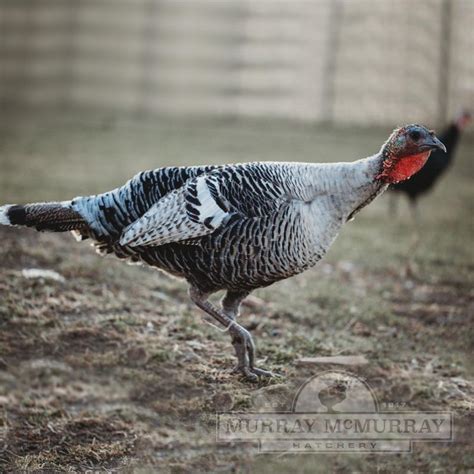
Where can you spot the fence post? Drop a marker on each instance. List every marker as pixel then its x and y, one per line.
pixel 69 55
pixel 146 84
pixel 444 60
pixel 330 68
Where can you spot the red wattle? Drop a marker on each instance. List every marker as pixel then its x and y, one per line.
pixel 402 168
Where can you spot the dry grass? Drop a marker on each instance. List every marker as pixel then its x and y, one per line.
pixel 114 370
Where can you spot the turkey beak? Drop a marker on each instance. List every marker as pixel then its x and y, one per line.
pixel 433 143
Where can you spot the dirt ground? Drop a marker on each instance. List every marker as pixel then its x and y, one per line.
pixel 111 368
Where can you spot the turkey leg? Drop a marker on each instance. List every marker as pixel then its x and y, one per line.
pixel 241 338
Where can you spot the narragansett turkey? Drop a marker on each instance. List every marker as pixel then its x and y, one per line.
pixel 233 227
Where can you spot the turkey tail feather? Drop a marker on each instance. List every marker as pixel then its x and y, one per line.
pixel 50 216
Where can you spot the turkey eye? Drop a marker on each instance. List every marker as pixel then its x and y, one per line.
pixel 415 135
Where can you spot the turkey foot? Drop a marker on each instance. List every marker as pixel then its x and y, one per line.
pixel 245 352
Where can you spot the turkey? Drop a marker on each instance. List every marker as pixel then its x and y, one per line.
pixel 233 227
pixel 426 178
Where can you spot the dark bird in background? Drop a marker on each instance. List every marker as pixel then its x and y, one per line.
pixel 233 227
pixel 333 395
pixel 424 180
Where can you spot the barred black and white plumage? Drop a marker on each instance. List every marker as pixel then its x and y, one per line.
pixel 234 227
pixel 231 227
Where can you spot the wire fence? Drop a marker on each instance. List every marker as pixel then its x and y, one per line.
pixel 339 61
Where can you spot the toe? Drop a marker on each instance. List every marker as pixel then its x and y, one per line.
pixel 250 375
pixel 264 373
pixel 246 372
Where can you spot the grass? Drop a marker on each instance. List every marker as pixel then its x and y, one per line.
pixel 113 369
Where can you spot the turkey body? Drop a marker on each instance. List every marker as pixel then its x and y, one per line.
pixel 236 257
pixel 272 221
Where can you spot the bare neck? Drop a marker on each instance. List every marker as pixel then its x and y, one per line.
pixel 349 186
